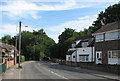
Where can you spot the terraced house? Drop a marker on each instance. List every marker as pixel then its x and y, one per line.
pixel 0 52
pixel 107 44
pixel 8 54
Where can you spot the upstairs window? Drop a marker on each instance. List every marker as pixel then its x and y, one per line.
pixel 84 44
pixel 73 45
pixel 112 35
pixel 99 38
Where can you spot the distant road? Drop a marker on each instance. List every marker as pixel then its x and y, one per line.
pixel 49 70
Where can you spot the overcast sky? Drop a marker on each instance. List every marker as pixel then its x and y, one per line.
pixel 51 15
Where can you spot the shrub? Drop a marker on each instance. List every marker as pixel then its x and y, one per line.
pixel 20 67
pixel 22 58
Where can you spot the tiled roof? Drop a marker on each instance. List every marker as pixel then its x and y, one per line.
pixel 83 37
pixel 87 38
pixel 70 52
pixel 109 27
pixel 8 47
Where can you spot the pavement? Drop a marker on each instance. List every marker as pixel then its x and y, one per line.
pixel 48 70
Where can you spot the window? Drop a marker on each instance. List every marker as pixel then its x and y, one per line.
pixel 110 54
pixel 73 45
pixel 97 55
pixel 87 58
pixel 119 34
pixel 80 58
pixel 114 54
pixel 83 58
pixel 111 36
pixel 99 38
pixel 73 56
pixel 68 58
pixel 84 44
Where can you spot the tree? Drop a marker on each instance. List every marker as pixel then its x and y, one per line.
pixel 65 39
pixel 66 34
pixel 34 45
pixel 6 39
pixel 111 14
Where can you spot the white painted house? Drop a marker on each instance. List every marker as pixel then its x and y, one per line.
pixel 81 50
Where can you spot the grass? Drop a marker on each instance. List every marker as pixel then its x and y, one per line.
pixel 20 67
pixel 8 68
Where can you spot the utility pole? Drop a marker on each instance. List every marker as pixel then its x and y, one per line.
pixel 16 47
pixel 19 42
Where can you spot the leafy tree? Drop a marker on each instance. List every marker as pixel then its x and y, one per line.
pixel 6 39
pixel 66 34
pixel 65 39
pixel 111 14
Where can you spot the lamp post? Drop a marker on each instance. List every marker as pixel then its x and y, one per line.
pixel 20 41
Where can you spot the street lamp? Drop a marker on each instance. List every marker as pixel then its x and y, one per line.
pixel 20 41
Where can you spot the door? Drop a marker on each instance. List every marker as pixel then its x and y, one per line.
pixel 99 57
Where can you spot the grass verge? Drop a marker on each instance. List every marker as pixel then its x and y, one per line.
pixel 20 67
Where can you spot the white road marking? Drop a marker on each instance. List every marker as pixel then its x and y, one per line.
pixel 54 73
pixel 57 74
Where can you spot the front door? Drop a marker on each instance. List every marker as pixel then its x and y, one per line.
pixel 99 57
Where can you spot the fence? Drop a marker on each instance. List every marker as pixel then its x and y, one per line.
pixel 3 67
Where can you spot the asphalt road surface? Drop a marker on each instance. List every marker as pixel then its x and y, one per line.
pixel 48 70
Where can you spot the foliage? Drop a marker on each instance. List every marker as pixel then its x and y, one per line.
pixel 22 58
pixel 20 67
pixel 111 14
pixel 65 39
pixel 66 34
pixel 37 45
pixel 6 39
pixel 41 55
pixel 34 45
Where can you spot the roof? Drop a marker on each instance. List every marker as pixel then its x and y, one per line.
pixel 83 37
pixel 109 27
pixel 70 52
pixel 8 47
pixel 87 38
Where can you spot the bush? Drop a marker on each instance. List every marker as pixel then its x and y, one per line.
pixel 20 67
pixel 22 58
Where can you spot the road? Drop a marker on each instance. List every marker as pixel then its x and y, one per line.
pixel 49 70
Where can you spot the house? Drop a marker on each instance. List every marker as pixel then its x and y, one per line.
pixel 8 54
pixel 107 40
pixel 0 52
pixel 81 50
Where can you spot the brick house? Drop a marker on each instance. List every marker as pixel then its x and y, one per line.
pixel 0 52
pixel 81 50
pixel 8 54
pixel 107 40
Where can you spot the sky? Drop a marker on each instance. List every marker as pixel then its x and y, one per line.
pixel 51 15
